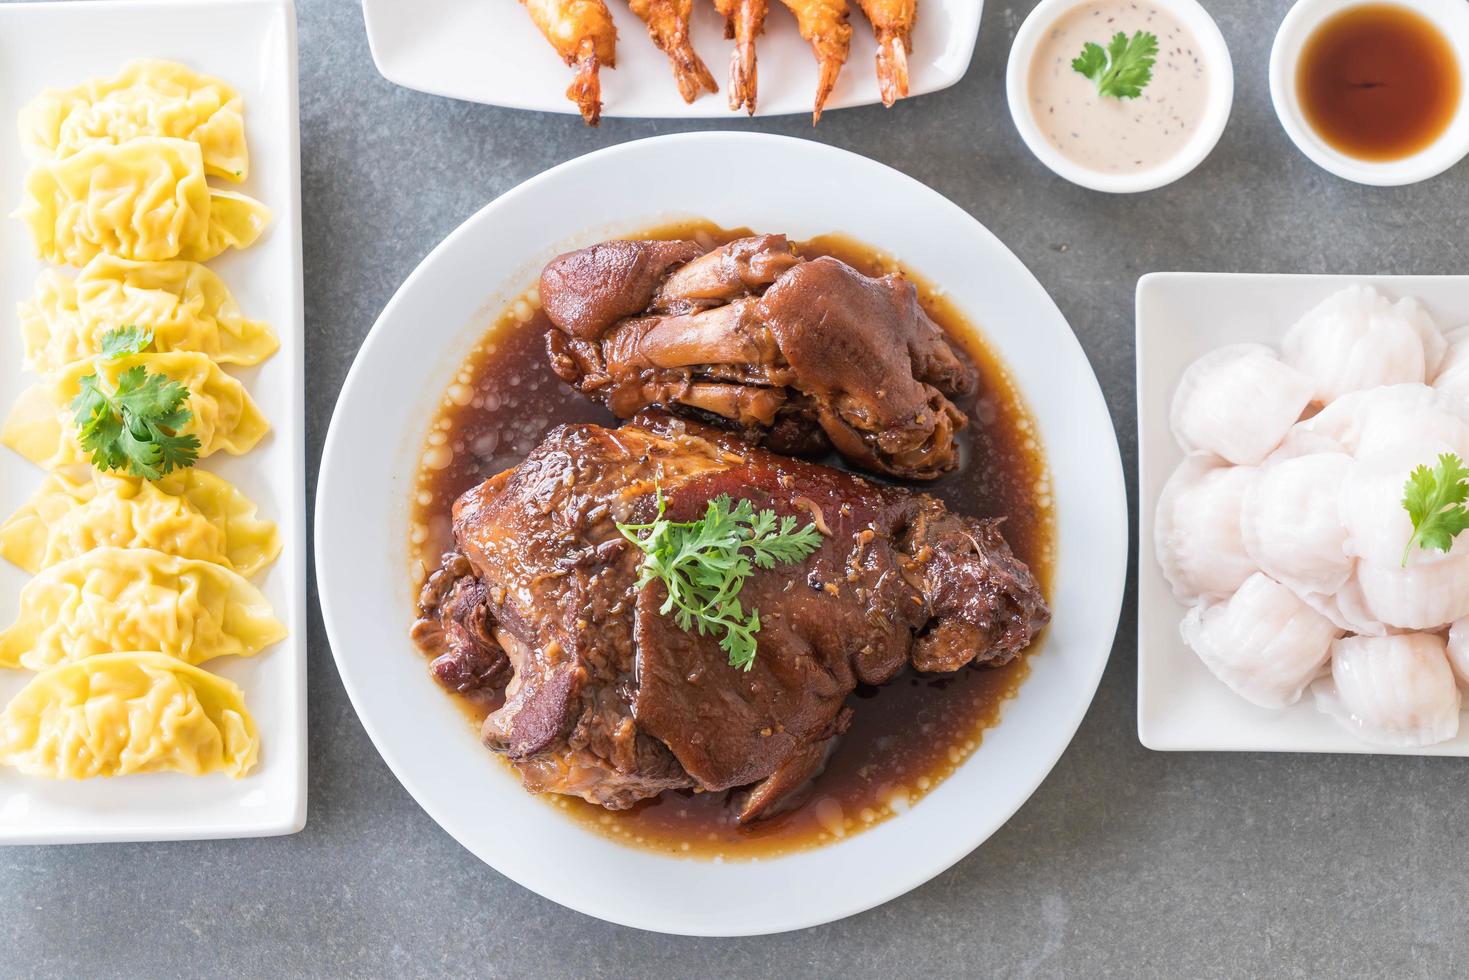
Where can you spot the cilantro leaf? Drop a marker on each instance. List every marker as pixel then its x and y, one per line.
pixel 1092 62
pixel 135 427
pixel 125 340
pixel 1124 68
pixel 703 566
pixel 1435 502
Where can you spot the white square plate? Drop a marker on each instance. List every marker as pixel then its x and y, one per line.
pixel 1180 316
pixel 489 51
pixel 252 45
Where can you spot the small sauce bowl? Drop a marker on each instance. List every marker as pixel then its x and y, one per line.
pixel 1450 16
pixel 1220 97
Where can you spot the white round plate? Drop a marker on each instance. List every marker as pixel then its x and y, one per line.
pixel 777 184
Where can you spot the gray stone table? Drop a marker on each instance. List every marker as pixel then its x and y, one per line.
pixel 1125 862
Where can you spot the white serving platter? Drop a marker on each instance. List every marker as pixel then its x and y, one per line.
pixel 419 343
pixel 1180 316
pixel 489 51
pixel 252 45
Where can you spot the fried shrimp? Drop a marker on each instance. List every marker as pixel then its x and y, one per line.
pixel 583 35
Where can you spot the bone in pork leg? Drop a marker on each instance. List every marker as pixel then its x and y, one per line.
pixel 613 702
pixel 851 358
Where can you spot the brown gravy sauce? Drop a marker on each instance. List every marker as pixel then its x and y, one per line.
pixel 907 736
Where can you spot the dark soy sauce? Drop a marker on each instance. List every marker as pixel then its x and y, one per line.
pixel 1378 82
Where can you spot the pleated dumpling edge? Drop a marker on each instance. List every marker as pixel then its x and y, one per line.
pixel 116 714
pixel 113 598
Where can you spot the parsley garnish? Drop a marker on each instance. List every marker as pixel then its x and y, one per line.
pixel 1434 499
pixel 1123 68
pixel 135 426
pixel 703 564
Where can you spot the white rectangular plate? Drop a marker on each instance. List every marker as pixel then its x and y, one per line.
pixel 252 45
pixel 1180 316
pixel 489 51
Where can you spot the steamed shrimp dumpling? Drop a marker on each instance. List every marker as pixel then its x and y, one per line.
pixel 1458 652
pixel 1397 691
pixel 1238 402
pixel 1432 589
pixel 1452 379
pixel 137 599
pixel 1198 530
pixel 1263 642
pixel 42 425
pixel 121 713
pixel 1377 526
pixel 1366 422
pixel 191 514
pixel 1290 522
pixel 1430 593
pixel 1347 608
pixel 1356 339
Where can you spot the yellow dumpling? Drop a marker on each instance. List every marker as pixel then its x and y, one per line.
pixel 42 428
pixel 147 98
pixel 137 599
pixel 145 200
pixel 183 304
pixel 190 513
pixel 121 713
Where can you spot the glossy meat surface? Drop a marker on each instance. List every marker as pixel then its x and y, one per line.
pixel 805 355
pixel 613 702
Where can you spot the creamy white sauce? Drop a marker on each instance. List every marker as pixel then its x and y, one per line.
pixel 1118 135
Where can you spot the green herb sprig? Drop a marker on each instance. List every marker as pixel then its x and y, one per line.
pixel 1435 501
pixel 1123 68
pixel 134 428
pixel 703 565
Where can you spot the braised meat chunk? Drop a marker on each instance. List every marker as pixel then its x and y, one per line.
pixel 803 356
pixel 609 699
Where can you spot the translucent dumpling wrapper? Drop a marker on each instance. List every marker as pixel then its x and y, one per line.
pixel 1458 652
pixel 42 426
pixel 1263 642
pixel 1238 402
pixel 1198 532
pixel 1356 339
pixel 1396 691
pixel 191 514
pixel 1377 526
pixel 146 200
pixel 148 97
pixel 116 714
pixel 1366 422
pixel 1429 594
pixel 184 305
pixel 137 599
pixel 1347 608
pixel 1452 379
pixel 1290 522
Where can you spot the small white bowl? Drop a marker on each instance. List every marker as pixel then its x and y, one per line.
pixel 1211 127
pixel 1450 16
